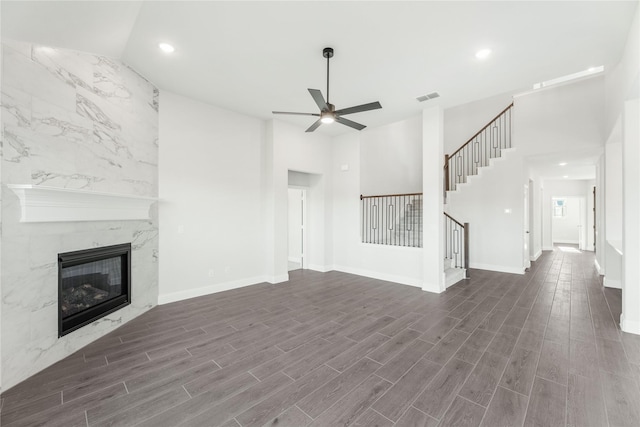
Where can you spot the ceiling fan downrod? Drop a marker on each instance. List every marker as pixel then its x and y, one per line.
pixel 327 52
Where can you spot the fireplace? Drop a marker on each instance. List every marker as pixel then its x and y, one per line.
pixel 91 284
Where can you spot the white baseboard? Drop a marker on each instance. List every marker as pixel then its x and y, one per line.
pixel 320 268
pixel 535 256
pixel 403 280
pixel 207 290
pixel 277 279
pixel 453 276
pixel 499 268
pixel 567 242
pixel 629 326
pixel 547 248
pixel 598 268
pixel 616 284
pixel 436 288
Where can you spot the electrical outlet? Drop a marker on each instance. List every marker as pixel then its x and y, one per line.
pixel 211 272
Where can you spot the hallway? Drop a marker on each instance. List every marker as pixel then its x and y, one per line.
pixel 329 349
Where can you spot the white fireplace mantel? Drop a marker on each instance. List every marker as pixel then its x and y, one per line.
pixel 52 204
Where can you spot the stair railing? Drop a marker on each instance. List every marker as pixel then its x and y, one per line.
pixel 392 219
pixel 485 145
pixel 456 242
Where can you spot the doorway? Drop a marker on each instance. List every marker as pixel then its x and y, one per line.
pixel 568 220
pixel 296 228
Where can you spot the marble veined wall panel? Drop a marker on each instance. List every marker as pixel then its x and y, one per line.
pixel 71 120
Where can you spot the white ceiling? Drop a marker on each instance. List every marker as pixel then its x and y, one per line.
pixel 255 57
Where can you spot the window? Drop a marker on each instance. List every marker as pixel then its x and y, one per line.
pixel 558 207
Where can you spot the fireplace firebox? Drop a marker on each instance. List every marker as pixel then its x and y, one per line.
pixel 91 284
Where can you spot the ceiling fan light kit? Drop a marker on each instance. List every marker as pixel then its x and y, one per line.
pixel 328 113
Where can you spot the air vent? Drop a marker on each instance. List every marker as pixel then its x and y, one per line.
pixel 428 96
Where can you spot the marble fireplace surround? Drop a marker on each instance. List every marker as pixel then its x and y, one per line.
pixel 79 169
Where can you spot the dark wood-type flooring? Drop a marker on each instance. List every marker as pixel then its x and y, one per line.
pixel 334 349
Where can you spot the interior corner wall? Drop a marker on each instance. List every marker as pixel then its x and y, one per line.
pixel 391 158
pixel 622 82
pixel 211 199
pixel 295 150
pixel 97 131
pixel 601 235
pixel 493 205
pixel 536 231
pixel 397 264
pixel 559 119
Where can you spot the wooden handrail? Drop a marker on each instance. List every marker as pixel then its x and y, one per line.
pixel 480 131
pixel 453 219
pixel 390 195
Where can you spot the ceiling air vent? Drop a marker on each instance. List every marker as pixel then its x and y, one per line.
pixel 428 96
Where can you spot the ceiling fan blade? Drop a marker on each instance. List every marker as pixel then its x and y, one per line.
pixel 296 114
pixel 314 126
pixel 349 123
pixel 359 108
pixel 317 96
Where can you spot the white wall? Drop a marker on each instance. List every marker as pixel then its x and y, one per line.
pixel 622 81
pixel 391 158
pixel 290 148
pixel 564 118
pixel 211 163
pixel 495 235
pixel 536 231
pixel 630 318
pixel 398 264
pixel 613 190
pixel 601 235
pixel 463 121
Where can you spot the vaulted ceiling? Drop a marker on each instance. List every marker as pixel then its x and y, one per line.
pixel 255 57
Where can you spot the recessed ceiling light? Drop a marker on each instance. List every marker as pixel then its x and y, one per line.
pixel 483 53
pixel 166 47
pixel 562 164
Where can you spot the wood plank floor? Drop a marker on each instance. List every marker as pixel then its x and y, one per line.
pixel 334 349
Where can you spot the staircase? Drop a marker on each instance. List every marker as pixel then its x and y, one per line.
pixel 487 144
pixel 484 148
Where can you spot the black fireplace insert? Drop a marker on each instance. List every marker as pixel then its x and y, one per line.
pixel 91 284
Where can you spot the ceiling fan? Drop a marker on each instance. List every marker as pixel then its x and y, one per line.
pixel 328 112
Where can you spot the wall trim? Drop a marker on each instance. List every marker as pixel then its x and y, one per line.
pixel 403 280
pixel 568 242
pixel 499 268
pixel 616 284
pixel 535 256
pixel 629 326
pixel 320 268
pixel 295 259
pixel 598 268
pixel 547 248
pixel 276 279
pixel 207 290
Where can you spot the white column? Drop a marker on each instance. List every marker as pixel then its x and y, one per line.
pixel 432 203
pixel 630 317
